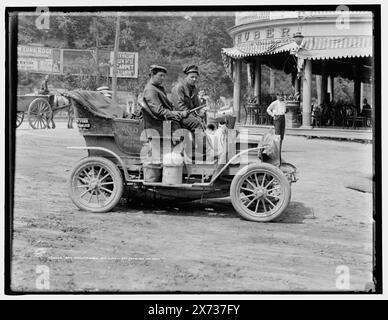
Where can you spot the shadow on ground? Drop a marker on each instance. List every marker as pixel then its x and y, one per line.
pixel 296 212
pixel 209 208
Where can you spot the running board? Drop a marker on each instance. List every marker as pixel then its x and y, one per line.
pixel 165 185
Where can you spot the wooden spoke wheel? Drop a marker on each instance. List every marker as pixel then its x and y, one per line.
pixel 19 118
pixel 96 184
pixel 260 192
pixel 39 113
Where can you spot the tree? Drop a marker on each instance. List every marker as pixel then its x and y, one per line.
pixel 173 41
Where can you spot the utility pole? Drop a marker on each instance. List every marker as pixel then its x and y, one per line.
pixel 115 54
pixel 97 60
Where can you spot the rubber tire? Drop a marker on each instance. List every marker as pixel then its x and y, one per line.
pixel 116 177
pixel 247 171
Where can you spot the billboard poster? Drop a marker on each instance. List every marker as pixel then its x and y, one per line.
pixel 37 59
pixel 104 62
pixel 57 65
pixel 127 64
pixel 76 61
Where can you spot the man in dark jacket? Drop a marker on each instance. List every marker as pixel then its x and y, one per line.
pixel 157 106
pixel 184 97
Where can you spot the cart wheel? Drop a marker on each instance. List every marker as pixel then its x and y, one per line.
pixel 260 192
pixel 95 184
pixel 39 113
pixel 19 118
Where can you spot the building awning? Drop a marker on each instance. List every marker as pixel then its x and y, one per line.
pixel 336 47
pixel 263 47
pixel 311 48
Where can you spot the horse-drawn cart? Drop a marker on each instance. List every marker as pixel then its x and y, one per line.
pixel 259 191
pixel 40 109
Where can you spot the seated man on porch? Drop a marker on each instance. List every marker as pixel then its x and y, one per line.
pixel 366 108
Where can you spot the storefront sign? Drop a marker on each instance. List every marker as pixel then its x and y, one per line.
pixel 263 34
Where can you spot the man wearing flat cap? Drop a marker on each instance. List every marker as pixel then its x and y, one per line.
pixel 184 96
pixel 157 106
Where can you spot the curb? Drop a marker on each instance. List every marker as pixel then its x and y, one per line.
pixel 331 133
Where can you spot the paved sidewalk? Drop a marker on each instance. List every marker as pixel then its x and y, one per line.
pixel 256 132
pixel 363 136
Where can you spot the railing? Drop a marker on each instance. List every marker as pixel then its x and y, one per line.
pixel 248 17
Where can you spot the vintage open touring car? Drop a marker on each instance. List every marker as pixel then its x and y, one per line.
pixel 259 187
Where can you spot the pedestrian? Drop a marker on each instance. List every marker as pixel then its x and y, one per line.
pixel 277 110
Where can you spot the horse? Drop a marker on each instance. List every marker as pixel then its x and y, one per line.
pixel 61 103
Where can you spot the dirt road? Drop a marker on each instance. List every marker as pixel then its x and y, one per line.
pixel 322 243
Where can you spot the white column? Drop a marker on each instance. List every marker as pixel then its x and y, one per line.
pixel 318 80
pixel 362 93
pixel 297 84
pixel 237 89
pixel 307 80
pixel 330 87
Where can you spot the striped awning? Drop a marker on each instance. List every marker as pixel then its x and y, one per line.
pixel 260 48
pixel 312 47
pixel 336 47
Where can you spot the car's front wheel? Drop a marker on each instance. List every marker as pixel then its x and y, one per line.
pixel 260 192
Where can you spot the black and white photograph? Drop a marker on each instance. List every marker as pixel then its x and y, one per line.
pixel 185 150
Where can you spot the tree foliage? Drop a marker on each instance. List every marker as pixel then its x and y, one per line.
pixel 170 40
pixel 173 41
